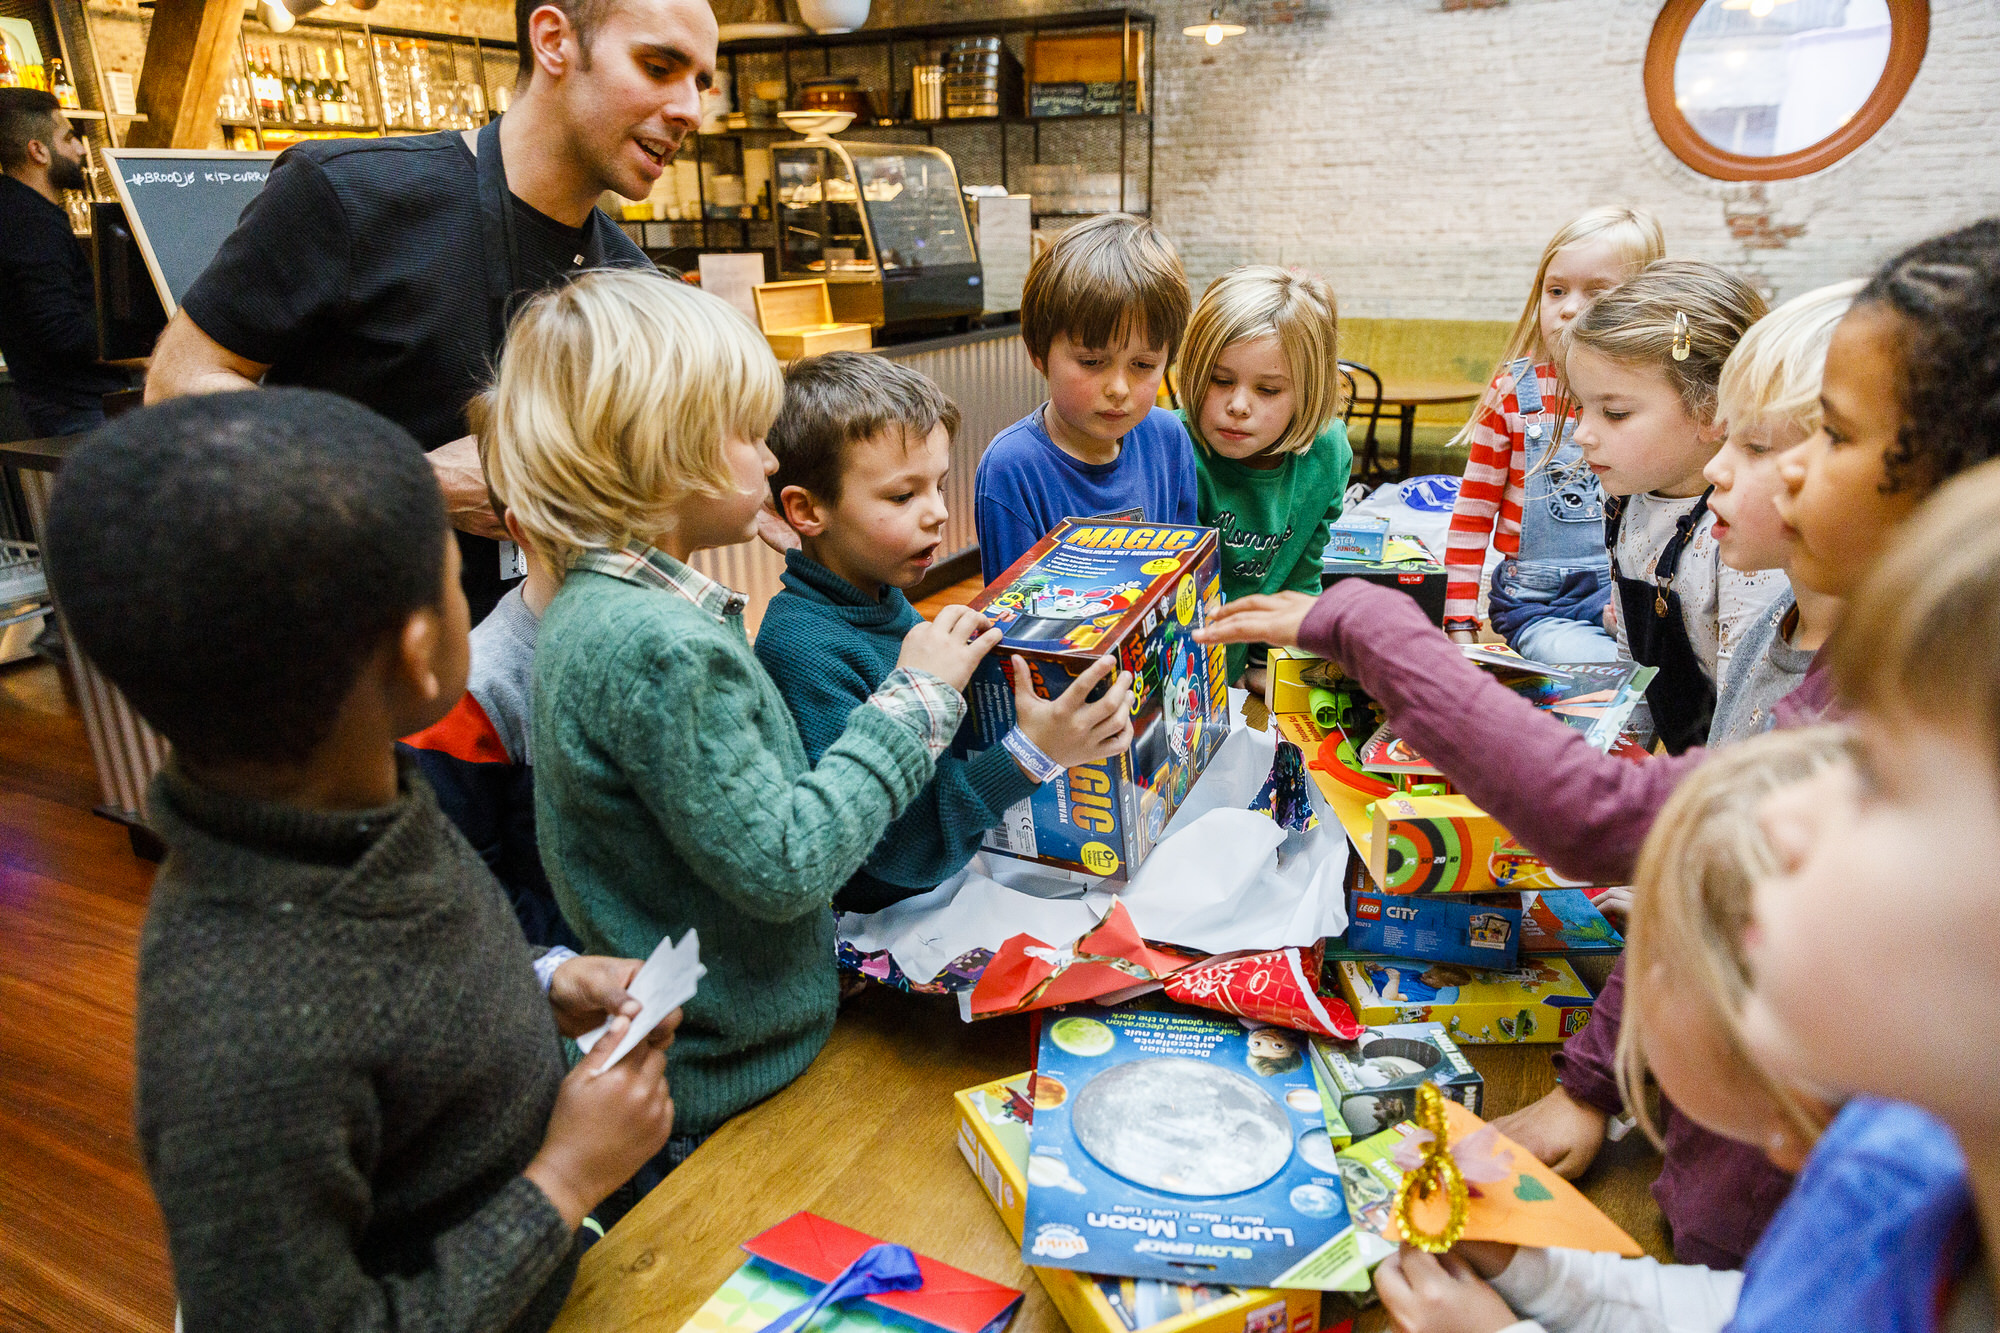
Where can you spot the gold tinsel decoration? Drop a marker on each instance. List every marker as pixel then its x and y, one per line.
pixel 1436 1171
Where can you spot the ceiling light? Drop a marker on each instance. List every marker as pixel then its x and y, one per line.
pixel 1215 29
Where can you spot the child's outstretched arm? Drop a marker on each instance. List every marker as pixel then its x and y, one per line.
pixel 1582 811
pixel 775 844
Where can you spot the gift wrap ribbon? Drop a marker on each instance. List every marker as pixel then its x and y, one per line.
pixel 880 1268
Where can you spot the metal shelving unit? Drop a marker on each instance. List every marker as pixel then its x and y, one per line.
pixel 986 149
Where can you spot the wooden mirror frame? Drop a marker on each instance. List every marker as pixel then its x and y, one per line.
pixel 1909 37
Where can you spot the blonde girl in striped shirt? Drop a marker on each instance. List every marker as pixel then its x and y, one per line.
pixel 1526 492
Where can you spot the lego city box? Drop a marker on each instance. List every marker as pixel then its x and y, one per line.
pixel 1445 929
pixel 1542 1000
pixel 1136 591
pixel 993 1121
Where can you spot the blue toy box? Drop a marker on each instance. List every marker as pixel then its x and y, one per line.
pixel 1137 591
pixel 1440 929
pixel 1170 1143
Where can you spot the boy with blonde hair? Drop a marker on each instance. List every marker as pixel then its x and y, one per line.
pixel 672 791
pixel 1102 314
pixel 862 446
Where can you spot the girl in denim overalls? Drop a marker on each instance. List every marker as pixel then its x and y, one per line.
pixel 1526 492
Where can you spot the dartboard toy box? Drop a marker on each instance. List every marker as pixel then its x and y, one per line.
pixel 1136 591
pixel 1446 844
pixel 1542 1000
pixel 1169 1143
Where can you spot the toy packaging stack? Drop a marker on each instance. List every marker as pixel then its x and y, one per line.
pixel 1479 930
pixel 1136 591
pixel 1394 560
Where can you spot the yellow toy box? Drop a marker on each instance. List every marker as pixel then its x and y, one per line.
pixel 1544 1000
pixel 1446 844
pixel 993 1136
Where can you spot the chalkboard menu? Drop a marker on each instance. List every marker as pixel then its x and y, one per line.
pixel 181 203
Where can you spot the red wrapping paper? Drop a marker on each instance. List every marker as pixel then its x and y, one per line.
pixel 1028 974
pixel 1274 987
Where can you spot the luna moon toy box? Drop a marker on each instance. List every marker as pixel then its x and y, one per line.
pixel 1136 591
pixel 1173 1144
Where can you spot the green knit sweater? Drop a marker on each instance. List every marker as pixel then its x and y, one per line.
pixel 672 791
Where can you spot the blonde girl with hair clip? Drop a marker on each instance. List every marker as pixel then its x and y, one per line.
pixel 1643 361
pixel 1525 492
pixel 1688 987
pixel 1259 374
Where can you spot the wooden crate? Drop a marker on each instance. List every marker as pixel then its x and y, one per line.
pixel 797 320
pixel 1089 57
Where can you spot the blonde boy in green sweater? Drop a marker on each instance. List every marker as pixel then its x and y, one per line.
pixel 671 788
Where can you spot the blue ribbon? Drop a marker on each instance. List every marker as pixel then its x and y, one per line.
pixel 880 1268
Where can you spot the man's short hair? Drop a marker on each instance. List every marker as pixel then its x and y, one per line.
pixel 230 562
pixel 834 402
pixel 1101 280
pixel 27 115
pixel 584 16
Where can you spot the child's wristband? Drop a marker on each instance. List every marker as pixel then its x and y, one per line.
pixel 1029 756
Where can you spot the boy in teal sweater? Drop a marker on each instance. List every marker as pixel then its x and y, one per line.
pixel 671 790
pixel 862 446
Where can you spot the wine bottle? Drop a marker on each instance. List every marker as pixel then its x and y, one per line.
pixel 329 96
pixel 265 82
pixel 309 108
pixel 289 87
pixel 351 110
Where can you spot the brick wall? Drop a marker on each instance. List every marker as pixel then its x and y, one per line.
pixel 1421 157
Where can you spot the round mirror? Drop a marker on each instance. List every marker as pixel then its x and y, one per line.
pixel 1766 89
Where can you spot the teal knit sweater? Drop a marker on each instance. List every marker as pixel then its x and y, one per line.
pixel 671 791
pixel 828 645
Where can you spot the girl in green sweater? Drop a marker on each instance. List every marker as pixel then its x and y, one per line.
pixel 671 789
pixel 1261 385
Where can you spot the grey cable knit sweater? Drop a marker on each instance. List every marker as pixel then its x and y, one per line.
pixel 345 1063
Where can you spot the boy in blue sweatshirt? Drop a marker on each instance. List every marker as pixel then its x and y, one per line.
pixel 1102 314
pixel 862 445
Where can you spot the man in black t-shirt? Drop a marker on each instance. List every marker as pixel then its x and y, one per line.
pixel 48 301
pixel 375 267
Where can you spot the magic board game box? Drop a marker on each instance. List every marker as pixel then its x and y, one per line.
pixel 1542 1000
pixel 1479 932
pixel 1370 1083
pixel 1170 1143
pixel 1136 591
pixel 993 1121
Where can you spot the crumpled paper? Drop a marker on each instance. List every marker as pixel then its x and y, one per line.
pixel 1027 973
pixel 1223 879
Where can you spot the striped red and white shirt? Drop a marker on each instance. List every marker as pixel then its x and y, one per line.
pixel 1488 510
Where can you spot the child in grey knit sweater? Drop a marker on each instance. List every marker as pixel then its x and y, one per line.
pixel 352 1098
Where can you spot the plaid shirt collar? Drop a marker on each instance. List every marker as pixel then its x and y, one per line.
pixel 650 567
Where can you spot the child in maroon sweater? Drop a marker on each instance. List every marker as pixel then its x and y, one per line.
pixel 1905 379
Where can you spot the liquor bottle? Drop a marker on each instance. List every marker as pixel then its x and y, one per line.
pixel 60 85
pixel 265 83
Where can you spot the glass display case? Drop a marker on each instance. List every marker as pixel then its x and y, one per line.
pixel 884 224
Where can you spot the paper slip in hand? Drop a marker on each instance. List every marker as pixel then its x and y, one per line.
pixel 662 985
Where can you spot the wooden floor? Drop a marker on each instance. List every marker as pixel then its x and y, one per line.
pixel 81 1244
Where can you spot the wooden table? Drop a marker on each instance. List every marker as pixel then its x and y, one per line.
pixel 1406 396
pixel 867 1137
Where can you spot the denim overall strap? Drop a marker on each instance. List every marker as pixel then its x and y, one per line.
pixel 1682 697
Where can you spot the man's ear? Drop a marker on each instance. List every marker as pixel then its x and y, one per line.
pixel 40 153
pixel 552 41
pixel 802 511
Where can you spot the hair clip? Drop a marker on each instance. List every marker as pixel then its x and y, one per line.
pixel 1681 344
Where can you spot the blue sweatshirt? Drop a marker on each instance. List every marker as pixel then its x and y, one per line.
pixel 1026 485
pixel 828 645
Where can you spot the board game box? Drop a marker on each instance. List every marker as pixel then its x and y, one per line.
pixel 1543 1000
pixel 1170 1143
pixel 1447 844
pixel 1136 591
